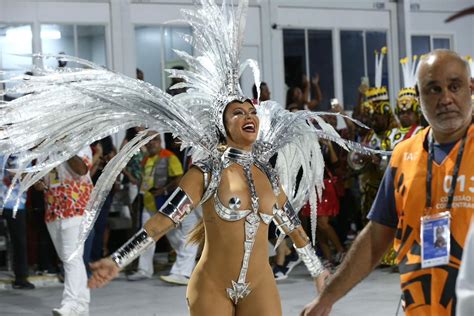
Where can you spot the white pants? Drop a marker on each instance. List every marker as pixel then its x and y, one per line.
pixel 185 253
pixel 64 234
pixel 132 193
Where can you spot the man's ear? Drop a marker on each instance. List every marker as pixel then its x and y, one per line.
pixel 471 85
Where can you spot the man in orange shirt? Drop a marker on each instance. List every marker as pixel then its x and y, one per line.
pixel 429 183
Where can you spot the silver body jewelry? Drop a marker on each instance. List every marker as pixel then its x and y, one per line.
pixel 286 218
pixel 240 288
pixel 177 206
pixel 132 248
pixel 234 203
pixel 286 221
pixel 312 262
pixel 228 214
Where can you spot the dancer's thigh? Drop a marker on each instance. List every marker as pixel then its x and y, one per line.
pixel 262 301
pixel 209 301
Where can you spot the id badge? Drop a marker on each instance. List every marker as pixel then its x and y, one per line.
pixel 435 239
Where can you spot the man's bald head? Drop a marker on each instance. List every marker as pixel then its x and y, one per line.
pixel 444 85
pixel 440 56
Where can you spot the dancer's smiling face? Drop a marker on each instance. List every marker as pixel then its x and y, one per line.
pixel 241 123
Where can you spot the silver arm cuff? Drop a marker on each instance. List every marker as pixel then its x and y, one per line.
pixel 177 206
pixel 286 218
pixel 132 248
pixel 310 259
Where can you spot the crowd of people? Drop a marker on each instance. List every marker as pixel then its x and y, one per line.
pixel 154 172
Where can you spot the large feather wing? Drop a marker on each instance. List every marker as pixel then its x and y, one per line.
pixel 294 137
pixel 63 111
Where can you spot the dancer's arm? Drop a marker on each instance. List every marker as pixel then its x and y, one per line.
pixel 363 257
pixel 181 202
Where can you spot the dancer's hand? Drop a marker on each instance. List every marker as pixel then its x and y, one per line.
pixel 316 308
pixel 103 271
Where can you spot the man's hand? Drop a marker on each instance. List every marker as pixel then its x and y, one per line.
pixel 157 191
pixel 364 255
pixel 316 308
pixel 103 271
pixel 315 80
pixel 337 108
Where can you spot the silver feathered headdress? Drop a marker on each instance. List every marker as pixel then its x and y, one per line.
pixel 213 76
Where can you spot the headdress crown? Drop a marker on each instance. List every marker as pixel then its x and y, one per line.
pixel 378 92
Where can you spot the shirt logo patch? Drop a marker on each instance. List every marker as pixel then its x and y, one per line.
pixel 409 156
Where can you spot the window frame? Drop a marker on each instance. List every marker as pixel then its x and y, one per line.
pixel 337 57
pixel 433 36
pixel 107 46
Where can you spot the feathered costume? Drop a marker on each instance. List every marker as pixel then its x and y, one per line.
pixel 65 110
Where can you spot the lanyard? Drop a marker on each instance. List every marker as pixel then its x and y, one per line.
pixel 410 132
pixel 429 176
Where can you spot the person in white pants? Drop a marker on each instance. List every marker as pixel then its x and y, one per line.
pixel 67 190
pixel 185 252
pixel 161 173
pixel 76 294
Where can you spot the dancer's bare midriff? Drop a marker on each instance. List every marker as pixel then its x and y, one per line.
pixel 223 252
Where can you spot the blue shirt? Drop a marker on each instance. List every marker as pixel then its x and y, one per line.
pixel 6 178
pixel 383 209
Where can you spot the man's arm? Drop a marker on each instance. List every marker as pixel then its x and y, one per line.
pixel 130 177
pixel 363 257
pixel 318 95
pixel 168 188
pixel 351 127
pixel 78 165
